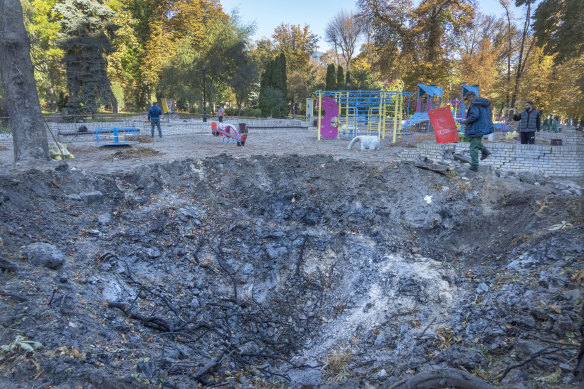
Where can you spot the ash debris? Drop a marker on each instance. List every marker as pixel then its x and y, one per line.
pixel 269 272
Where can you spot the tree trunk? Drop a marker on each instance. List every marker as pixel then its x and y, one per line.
pixel 22 101
pixel 510 49
pixel 522 61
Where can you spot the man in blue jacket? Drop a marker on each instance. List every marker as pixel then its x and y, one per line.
pixel 154 116
pixel 478 122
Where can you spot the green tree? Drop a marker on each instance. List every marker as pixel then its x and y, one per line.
pixel 414 43
pixel 340 78
pixel 86 32
pixel 42 26
pixel 186 28
pixel 225 58
pixel 297 43
pixel 126 62
pixel 348 80
pixel 283 76
pixel 272 102
pixel 331 78
pixel 559 28
pixel 271 89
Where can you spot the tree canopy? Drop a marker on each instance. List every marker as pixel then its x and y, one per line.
pixel 95 54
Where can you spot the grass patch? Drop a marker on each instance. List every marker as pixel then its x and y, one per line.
pixel 336 365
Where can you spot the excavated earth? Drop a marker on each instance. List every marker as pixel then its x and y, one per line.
pixel 288 271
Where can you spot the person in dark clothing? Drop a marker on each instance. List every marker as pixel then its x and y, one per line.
pixel 154 117
pixel 478 122
pixel 221 113
pixel 529 122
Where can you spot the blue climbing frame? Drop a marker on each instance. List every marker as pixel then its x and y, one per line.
pixel 363 112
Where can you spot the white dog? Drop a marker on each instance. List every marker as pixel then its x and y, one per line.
pixel 369 142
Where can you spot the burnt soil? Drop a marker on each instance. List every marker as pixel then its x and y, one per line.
pixel 265 271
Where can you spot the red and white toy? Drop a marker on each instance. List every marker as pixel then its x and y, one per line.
pixel 229 132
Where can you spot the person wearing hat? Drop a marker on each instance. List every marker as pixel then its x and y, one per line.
pixel 478 122
pixel 154 117
pixel 529 122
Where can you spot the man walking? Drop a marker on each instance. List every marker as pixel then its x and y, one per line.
pixel 478 122
pixel 154 117
pixel 529 122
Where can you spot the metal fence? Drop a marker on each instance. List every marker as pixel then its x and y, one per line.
pixel 85 131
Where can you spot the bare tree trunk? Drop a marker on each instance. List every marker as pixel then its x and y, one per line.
pixel 522 61
pixel 22 101
pixel 510 49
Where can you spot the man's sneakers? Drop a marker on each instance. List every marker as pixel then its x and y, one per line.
pixel 485 153
pixel 474 168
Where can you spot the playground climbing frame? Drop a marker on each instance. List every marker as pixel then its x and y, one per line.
pixel 349 113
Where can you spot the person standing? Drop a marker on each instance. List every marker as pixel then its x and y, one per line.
pixel 550 124
pixel 221 113
pixel 478 122
pixel 154 117
pixel 529 122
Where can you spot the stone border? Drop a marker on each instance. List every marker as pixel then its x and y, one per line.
pixel 555 161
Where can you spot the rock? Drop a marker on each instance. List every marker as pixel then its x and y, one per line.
pixel 147 368
pixel 153 252
pixel 527 178
pixel 382 373
pixel 482 288
pixel 6 265
pixel 572 295
pixel 462 356
pixel 275 252
pixel 112 291
pixel 190 212
pixel 44 254
pixel 445 299
pixel 104 219
pixel 246 269
pixel 91 197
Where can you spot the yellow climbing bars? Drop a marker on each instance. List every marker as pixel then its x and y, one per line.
pixel 397 109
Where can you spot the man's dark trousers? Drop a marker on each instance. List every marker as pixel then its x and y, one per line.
pixel 527 137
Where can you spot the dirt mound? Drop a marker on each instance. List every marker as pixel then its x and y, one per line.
pixel 289 271
pixel 134 153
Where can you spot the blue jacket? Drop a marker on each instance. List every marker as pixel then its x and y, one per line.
pixel 479 118
pixel 154 113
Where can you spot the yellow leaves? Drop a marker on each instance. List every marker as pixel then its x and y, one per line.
pixel 578 276
pixel 72 352
pixel 555 308
pixel 361 63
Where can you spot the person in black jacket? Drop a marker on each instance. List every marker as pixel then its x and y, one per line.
pixel 529 122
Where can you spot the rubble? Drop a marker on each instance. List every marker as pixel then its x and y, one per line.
pixel 264 272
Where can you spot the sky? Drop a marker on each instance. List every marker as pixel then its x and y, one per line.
pixel 268 14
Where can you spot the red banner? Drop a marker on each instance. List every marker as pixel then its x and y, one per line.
pixel 444 126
